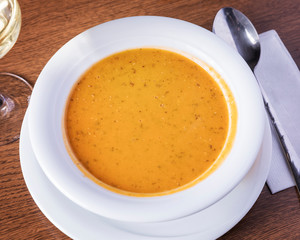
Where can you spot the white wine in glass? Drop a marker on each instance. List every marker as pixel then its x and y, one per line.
pixel 14 90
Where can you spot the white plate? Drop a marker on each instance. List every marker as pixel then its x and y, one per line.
pixel 79 223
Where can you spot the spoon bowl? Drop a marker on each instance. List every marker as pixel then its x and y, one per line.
pixel 236 29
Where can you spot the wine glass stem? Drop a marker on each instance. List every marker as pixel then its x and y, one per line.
pixel 6 105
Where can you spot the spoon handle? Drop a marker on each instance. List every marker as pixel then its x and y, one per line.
pixel 289 152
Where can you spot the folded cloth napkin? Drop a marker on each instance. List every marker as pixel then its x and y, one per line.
pixel 279 78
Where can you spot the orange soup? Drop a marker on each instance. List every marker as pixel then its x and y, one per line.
pixel 146 121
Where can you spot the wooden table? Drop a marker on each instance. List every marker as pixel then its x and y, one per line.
pixel 47 25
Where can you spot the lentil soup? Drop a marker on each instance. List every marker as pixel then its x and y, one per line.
pixel 147 122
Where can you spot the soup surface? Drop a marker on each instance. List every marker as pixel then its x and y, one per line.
pixel 146 121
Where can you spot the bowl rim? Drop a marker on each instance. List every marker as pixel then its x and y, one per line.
pixel 70 61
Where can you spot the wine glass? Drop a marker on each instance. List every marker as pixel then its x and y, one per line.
pixel 14 90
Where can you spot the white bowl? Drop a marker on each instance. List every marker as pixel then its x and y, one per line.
pixel 53 86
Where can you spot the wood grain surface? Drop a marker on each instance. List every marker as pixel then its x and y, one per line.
pixel 48 25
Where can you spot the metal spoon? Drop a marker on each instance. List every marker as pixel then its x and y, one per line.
pixel 237 30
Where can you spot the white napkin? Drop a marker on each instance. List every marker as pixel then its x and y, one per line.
pixel 279 77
